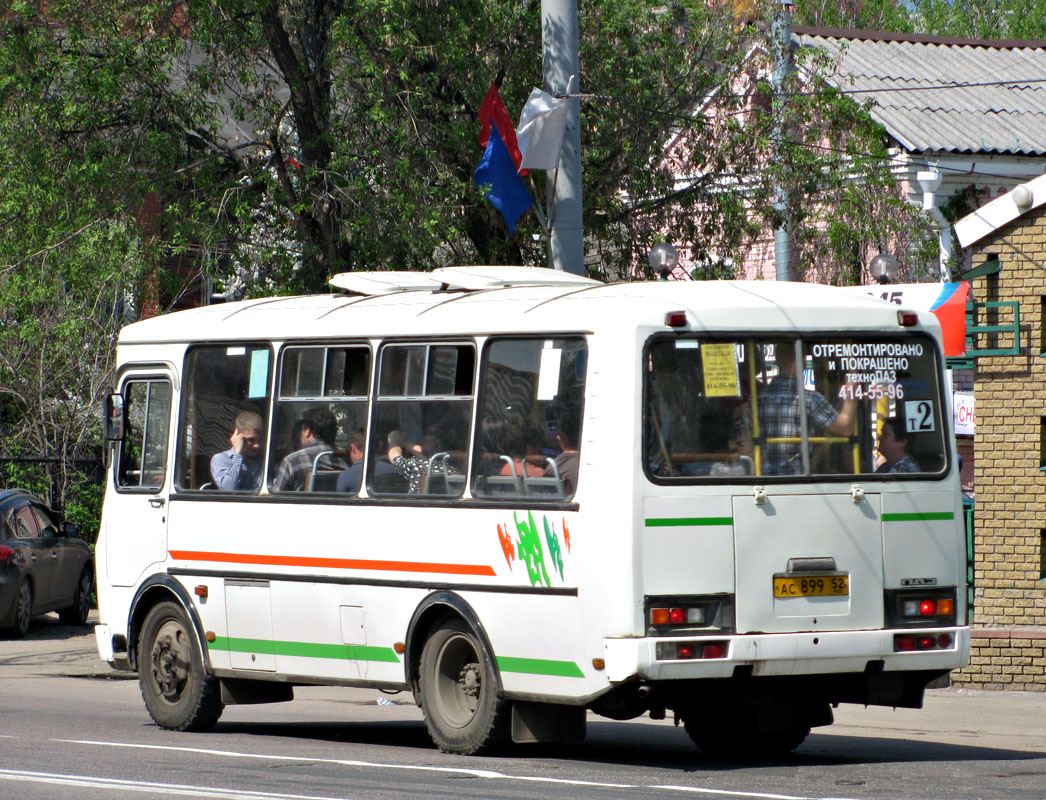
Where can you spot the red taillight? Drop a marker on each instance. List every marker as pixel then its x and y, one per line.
pixel 713 650
pixel 680 651
pixel 677 616
pixel 675 319
pixel 927 608
pixel 907 319
pixel 6 552
pixel 906 643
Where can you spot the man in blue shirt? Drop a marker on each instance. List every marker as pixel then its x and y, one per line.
pixel 240 467
pixel 351 478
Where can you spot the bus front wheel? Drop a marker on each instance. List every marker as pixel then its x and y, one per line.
pixel 177 693
pixel 459 694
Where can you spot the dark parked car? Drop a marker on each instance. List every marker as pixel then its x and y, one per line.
pixel 44 564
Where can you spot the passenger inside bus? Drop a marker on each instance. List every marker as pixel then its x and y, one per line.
pixel 893 446
pixel 241 467
pixel 524 439
pixel 566 463
pixel 350 479
pixel 778 405
pixel 313 431
pixel 719 447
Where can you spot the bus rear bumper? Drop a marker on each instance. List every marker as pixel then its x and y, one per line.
pixel 781 654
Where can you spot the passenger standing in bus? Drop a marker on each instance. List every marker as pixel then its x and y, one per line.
pixel 893 445
pixel 316 428
pixel 240 467
pixel 778 406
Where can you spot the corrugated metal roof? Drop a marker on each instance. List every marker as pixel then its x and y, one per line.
pixel 945 95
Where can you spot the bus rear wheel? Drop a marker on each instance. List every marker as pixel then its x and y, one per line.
pixel 177 693
pixel 459 692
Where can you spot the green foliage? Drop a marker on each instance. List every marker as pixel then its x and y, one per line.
pixel 972 19
pixel 259 146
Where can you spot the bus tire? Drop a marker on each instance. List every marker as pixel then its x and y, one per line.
pixel 177 693
pixel 740 744
pixel 463 711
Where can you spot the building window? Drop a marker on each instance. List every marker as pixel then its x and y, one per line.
pixel 1042 554
pixel 1042 443
pixel 1042 325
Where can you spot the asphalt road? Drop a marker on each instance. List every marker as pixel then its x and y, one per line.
pixel 71 728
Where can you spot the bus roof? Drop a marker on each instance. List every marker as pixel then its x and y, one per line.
pixel 490 305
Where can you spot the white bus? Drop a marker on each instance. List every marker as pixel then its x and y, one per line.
pixel 524 495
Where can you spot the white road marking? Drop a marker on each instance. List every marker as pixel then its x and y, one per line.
pixel 148 787
pixel 477 773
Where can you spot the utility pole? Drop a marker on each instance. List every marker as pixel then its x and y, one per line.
pixel 559 43
pixel 781 42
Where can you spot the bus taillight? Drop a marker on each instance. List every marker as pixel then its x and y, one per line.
pixel 920 608
pixel 672 615
pixel 690 651
pixel 907 643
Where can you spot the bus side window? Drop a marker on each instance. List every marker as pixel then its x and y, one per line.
pixel 142 459
pixel 419 439
pixel 529 432
pixel 222 383
pixel 322 402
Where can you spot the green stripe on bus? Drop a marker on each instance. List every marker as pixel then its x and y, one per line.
pixel 540 666
pixel 919 516
pixel 686 522
pixel 344 652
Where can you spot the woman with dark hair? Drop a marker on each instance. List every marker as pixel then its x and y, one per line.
pixel 893 446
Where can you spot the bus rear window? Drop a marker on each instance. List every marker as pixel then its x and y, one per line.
pixel 787 407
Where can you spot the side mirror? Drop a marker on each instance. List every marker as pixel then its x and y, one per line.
pixel 70 530
pixel 115 418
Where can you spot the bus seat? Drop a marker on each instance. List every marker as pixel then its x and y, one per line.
pixel 544 487
pixel 324 481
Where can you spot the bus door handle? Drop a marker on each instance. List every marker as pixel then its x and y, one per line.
pixel 156 502
pixel 856 493
pixel 759 495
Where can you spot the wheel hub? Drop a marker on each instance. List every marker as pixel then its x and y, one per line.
pixel 168 666
pixel 469 680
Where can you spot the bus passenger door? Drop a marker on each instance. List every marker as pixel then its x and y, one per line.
pixel 808 562
pixel 136 517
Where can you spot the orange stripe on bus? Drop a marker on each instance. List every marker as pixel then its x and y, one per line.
pixel 334 563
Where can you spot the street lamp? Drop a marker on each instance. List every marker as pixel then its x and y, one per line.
pixel 663 258
pixel 884 268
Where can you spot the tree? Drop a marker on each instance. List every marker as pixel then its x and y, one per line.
pixel 258 146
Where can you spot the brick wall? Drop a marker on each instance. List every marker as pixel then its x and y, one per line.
pixel 1009 637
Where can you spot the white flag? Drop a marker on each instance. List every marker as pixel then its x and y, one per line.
pixel 542 125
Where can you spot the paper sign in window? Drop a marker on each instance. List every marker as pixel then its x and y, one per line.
pixel 720 370
pixel 548 373
pixel 259 383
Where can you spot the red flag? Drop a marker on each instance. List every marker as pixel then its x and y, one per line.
pixel 493 111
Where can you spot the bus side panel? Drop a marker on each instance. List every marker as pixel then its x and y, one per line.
pixel 330 600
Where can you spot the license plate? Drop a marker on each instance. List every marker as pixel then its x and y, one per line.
pixel 812 586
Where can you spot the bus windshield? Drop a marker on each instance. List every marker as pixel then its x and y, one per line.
pixel 786 407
